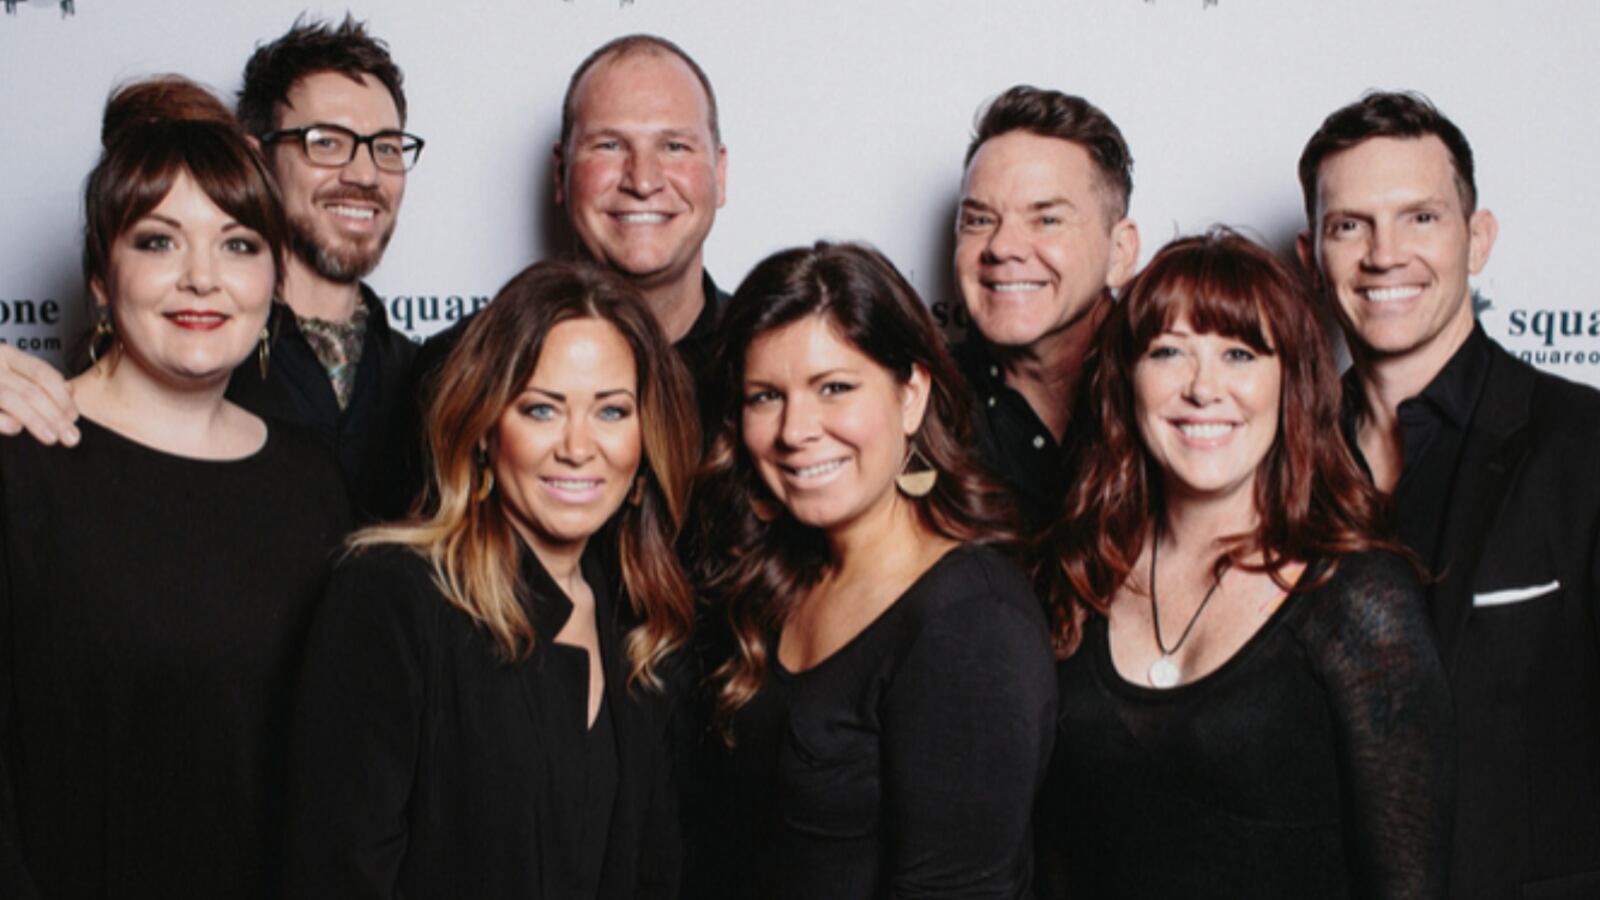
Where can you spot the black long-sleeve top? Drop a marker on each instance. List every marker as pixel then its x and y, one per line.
pixel 906 763
pixel 425 766
pixel 1317 762
pixel 152 612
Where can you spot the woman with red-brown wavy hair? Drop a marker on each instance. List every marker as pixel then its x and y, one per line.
pixel 1251 705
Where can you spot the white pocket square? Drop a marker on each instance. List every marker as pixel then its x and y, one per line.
pixel 1515 595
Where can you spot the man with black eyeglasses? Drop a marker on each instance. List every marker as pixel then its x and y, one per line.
pixel 325 104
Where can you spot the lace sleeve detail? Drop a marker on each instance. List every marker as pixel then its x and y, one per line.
pixel 1369 639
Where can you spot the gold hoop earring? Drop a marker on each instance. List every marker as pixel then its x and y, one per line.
pixel 919 483
pixel 264 351
pixel 103 331
pixel 636 496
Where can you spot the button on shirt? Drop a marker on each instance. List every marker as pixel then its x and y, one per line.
pixel 1012 441
pixel 1433 425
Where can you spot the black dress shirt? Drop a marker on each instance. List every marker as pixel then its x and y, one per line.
pixel 1012 441
pixel 1433 425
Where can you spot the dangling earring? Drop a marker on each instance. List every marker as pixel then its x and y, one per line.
pixel 636 496
pixel 264 351
pixel 917 483
pixel 480 459
pixel 103 331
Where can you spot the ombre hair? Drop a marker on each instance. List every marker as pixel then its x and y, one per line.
pixel 756 559
pixel 472 544
pixel 1312 500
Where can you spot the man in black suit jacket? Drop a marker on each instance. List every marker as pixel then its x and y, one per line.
pixel 1491 465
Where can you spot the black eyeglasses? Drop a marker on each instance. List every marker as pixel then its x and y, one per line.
pixel 334 146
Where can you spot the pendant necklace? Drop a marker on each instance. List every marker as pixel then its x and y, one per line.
pixel 1164 672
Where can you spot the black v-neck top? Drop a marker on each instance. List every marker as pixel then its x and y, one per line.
pixel 1317 762
pixel 424 765
pixel 905 764
pixel 153 609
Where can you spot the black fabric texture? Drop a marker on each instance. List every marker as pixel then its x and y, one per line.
pixel 425 766
pixel 1515 608
pixel 905 764
pixel 359 437
pixel 1012 441
pixel 1317 762
pixel 152 612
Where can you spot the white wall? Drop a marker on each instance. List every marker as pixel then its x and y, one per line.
pixel 848 118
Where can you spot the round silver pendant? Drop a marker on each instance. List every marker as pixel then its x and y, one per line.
pixel 1163 673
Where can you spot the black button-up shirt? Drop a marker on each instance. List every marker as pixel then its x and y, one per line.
pixel 1012 441
pixel 1433 425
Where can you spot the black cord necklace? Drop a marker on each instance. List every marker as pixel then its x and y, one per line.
pixel 1164 672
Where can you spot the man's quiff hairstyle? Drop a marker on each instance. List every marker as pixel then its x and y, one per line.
pixel 310 47
pixel 1067 117
pixel 628 45
pixel 1407 115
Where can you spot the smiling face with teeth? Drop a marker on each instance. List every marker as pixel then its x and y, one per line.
pixel 641 175
pixel 1207 409
pixel 342 217
pixel 1039 238
pixel 1394 246
pixel 188 289
pixel 566 451
pixel 826 425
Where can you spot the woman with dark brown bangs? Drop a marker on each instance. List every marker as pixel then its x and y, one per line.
pixel 890 702
pixel 1251 705
pixel 481 713
pixel 157 578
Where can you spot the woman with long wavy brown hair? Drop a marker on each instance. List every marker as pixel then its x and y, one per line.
pixel 889 701
pixel 481 713
pixel 1254 707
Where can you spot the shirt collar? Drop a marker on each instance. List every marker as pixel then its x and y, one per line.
pixel 1455 390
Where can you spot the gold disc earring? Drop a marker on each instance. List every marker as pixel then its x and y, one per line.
pixel 918 483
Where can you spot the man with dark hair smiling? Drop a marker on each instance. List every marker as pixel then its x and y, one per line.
pixel 1490 463
pixel 1042 238
pixel 325 104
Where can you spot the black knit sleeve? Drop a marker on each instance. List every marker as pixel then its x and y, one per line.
pixel 1369 640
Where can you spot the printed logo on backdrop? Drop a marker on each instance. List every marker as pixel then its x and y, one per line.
pixel 67 6
pixel 419 315
pixel 1546 336
pixel 31 325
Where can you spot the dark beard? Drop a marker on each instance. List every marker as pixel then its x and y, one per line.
pixel 339 265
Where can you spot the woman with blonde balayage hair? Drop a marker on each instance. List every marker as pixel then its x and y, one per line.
pixel 1251 706
pixel 482 711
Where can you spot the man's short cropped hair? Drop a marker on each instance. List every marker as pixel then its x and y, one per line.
pixel 627 45
pixel 1069 118
pixel 1391 114
pixel 307 48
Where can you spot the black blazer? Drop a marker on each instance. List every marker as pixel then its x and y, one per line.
pixel 423 766
pixel 1517 618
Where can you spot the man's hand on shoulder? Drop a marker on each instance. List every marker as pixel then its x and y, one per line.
pixel 34 396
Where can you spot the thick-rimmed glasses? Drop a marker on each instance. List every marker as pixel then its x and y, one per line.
pixel 334 146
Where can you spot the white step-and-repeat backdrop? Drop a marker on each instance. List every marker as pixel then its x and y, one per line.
pixel 848 119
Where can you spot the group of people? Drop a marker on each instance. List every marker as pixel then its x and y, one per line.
pixel 658 592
